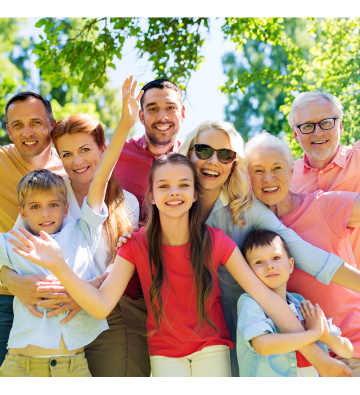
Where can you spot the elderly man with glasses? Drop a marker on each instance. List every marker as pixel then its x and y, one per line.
pixel 316 120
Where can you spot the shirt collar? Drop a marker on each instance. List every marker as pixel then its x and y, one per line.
pixel 143 143
pixel 220 202
pixel 339 159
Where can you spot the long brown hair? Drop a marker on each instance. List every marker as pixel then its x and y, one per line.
pixel 200 247
pixel 117 222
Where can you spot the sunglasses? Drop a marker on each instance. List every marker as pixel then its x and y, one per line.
pixel 203 151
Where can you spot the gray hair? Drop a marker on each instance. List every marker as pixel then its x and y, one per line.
pixel 308 97
pixel 267 140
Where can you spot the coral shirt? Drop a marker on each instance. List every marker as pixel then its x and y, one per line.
pixel 179 337
pixel 321 219
pixel 341 174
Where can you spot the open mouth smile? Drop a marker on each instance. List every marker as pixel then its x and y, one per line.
pixel 210 173
pixel 319 142
pixel 174 203
pixel 81 170
pixel 31 143
pixel 163 128
pixel 46 224
pixel 270 189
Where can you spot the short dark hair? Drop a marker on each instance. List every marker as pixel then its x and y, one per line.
pixel 23 96
pixel 262 238
pixel 161 83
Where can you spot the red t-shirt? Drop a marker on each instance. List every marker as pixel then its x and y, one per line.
pixel 132 172
pixel 178 337
pixel 133 167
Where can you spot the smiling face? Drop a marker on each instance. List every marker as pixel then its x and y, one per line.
pixel 321 145
pixel 272 265
pixel 79 155
pixel 173 190
pixel 29 129
pixel 44 211
pixel 162 114
pixel 211 172
pixel 270 175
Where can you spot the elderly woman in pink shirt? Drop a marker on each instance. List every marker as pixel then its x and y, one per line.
pixel 324 219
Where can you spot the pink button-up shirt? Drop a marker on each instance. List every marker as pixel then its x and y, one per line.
pixel 321 219
pixel 341 174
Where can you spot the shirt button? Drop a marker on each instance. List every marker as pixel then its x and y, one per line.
pixel 143 146
pixel 292 364
pixel 53 362
pixel 320 171
pixel 332 166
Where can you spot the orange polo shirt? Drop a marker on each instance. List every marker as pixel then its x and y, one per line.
pixel 12 169
pixel 341 174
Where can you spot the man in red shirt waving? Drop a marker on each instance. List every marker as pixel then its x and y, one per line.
pixel 162 112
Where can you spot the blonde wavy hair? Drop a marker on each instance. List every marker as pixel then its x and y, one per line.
pixel 237 187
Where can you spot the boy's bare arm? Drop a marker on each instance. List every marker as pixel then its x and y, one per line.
pixel 338 344
pixel 110 156
pixel 282 343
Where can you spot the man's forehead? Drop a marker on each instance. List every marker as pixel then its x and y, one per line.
pixel 32 108
pixel 157 95
pixel 319 108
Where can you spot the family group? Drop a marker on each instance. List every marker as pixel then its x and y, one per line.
pixel 151 257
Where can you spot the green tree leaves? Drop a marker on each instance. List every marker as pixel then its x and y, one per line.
pixel 276 59
pixel 78 51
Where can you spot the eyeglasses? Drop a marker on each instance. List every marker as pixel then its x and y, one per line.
pixel 309 127
pixel 203 151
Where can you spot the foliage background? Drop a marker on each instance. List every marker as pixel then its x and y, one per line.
pixel 274 60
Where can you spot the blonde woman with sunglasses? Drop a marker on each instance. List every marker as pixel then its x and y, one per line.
pixel 217 151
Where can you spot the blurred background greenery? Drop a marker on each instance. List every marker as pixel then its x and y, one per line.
pixel 266 63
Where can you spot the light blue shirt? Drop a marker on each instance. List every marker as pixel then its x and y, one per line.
pixel 252 323
pixel 323 265
pixel 78 241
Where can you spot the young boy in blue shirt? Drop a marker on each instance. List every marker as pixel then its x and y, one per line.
pixel 262 350
pixel 42 346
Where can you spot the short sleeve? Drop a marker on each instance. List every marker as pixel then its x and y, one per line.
pixel 4 256
pixel 336 208
pixel 333 328
pixel 252 321
pixel 223 246
pixel 126 251
pixel 132 208
pixel 315 261
pixel 90 224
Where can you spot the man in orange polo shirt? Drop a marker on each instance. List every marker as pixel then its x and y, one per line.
pixel 316 120
pixel 29 122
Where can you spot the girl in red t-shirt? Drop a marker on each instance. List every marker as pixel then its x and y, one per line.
pixel 186 326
